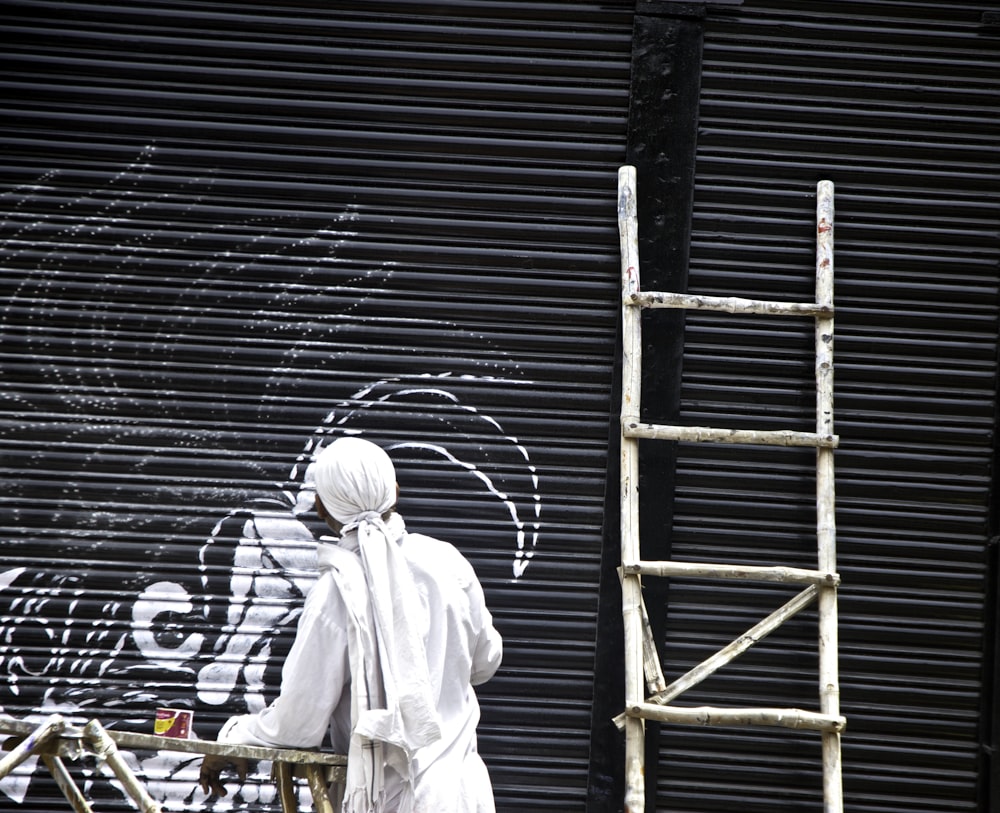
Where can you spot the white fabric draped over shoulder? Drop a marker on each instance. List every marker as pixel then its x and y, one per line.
pixel 356 481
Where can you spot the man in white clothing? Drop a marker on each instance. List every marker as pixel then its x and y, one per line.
pixel 392 638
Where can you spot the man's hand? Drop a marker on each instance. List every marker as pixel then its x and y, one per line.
pixel 212 766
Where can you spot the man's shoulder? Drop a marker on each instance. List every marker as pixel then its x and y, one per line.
pixel 438 556
pixel 338 567
pixel 330 555
pixel 430 545
pixel 341 580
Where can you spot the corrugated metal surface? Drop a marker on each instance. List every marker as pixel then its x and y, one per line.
pixel 227 228
pixel 896 103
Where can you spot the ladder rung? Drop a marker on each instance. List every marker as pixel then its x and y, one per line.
pixel 633 428
pixel 727 304
pixel 710 715
pixel 783 575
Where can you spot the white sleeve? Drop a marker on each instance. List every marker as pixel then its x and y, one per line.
pixel 313 678
pixel 488 648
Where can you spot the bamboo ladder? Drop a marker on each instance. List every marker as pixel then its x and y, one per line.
pixel 818 585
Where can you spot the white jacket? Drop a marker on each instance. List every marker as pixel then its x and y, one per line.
pixel 463 649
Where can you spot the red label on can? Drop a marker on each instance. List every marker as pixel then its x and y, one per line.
pixel 173 723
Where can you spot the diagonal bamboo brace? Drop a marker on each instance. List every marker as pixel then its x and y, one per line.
pixel 284 778
pixel 105 748
pixel 51 727
pixel 66 784
pixel 316 778
pixel 732 651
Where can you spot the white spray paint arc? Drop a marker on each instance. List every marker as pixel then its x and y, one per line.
pixel 526 532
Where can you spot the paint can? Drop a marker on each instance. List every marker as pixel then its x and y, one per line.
pixel 173 723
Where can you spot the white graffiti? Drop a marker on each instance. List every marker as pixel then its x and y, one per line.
pixel 211 642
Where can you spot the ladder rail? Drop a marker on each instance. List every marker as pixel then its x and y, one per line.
pixel 826 529
pixel 820 584
pixel 635 730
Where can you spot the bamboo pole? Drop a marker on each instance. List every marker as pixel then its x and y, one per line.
pixel 635 792
pixel 826 533
pixel 66 784
pixel 651 667
pixel 283 778
pixel 297 756
pixel 50 727
pixel 692 570
pixel 316 777
pixel 727 304
pixel 105 748
pixel 731 651
pixel 633 428
pixel 711 716
pixel 336 789
pixel 70 737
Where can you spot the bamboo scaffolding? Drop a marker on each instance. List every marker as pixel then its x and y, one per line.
pixel 635 731
pixel 317 768
pixel 71 738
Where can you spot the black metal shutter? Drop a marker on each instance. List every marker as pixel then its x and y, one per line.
pixel 228 229
pixel 896 103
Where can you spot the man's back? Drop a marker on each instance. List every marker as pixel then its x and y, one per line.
pixel 463 649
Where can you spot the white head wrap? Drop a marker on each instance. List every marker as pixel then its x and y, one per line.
pixel 356 481
pixel 355 478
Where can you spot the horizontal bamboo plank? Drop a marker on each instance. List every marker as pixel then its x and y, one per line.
pixel 153 742
pixel 633 428
pixel 712 716
pixel 780 574
pixel 725 304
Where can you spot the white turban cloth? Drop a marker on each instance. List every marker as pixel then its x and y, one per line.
pixel 354 478
pixel 356 481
